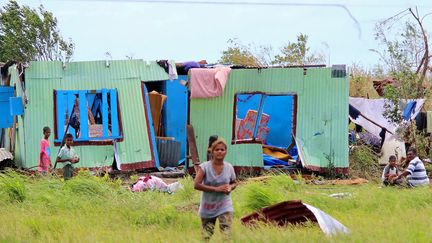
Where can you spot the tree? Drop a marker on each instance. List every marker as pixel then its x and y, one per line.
pixel 244 55
pixel 361 82
pixel 406 58
pixel 295 53
pixel 298 53
pixel 28 34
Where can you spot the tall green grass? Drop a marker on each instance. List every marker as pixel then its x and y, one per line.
pixel 13 184
pixel 91 209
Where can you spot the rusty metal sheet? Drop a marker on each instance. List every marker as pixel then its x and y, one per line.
pixel 288 212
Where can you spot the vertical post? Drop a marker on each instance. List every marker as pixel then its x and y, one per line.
pixel 14 127
pixel 260 111
pixel 114 113
pixel 83 115
pixel 61 110
pixel 105 113
pixel 70 104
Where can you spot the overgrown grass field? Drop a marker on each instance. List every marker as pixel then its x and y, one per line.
pixel 92 209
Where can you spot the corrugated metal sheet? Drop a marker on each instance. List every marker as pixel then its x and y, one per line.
pixel 288 212
pixel 175 113
pixel 169 152
pixel 42 78
pixel 322 109
pixel 4 154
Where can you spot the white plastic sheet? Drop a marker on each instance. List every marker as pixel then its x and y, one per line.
pixel 327 223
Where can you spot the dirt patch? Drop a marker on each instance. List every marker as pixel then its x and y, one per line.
pixel 355 181
pixel 188 208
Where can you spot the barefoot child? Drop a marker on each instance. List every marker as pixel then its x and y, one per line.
pixel 68 156
pixel 45 152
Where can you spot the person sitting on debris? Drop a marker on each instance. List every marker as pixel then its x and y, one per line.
pixel 390 171
pixel 68 156
pixel 45 152
pixel 216 179
pixel 415 172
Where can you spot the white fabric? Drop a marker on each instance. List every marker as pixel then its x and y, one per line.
pixel 116 155
pixel 172 70
pixel 327 223
pixel 174 187
pixel 391 146
pixel 299 145
pixel 374 109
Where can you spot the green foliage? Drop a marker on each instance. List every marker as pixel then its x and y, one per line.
pixel 294 53
pixel 364 163
pixel 402 51
pixel 239 54
pixel 28 34
pixel 188 190
pixel 419 140
pixel 285 182
pixel 406 59
pixel 53 212
pixel 258 196
pixel 361 82
pixel 298 53
pixel 13 185
pixel 392 108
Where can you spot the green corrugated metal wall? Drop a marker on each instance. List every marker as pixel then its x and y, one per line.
pixel 42 78
pixel 322 109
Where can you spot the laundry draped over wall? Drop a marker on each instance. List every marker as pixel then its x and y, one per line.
pixel 208 82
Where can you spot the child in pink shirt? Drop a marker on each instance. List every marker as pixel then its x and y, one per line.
pixel 45 152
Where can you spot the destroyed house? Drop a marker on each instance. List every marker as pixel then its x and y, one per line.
pixel 131 112
pixel 292 108
pixel 105 103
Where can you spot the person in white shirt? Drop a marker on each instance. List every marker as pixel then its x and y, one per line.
pixel 416 172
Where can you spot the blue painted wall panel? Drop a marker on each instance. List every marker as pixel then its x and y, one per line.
pixel 175 113
pixel 16 106
pixel 6 119
pixel 280 110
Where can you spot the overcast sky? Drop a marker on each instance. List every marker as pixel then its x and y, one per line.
pixel 184 31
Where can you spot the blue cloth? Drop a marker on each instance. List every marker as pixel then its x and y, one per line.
pixel 293 152
pixel 272 161
pixel 409 109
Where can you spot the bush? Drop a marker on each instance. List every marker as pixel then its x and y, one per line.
pixel 364 163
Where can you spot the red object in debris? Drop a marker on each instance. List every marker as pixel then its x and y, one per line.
pixel 380 85
pixel 288 212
